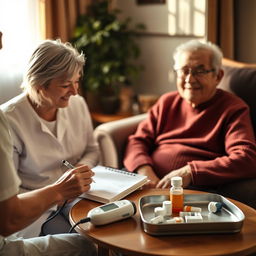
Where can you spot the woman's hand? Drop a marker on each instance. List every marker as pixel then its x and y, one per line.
pixel 74 182
pixel 184 172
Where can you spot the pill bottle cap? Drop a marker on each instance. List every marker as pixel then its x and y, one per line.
pixel 214 207
pixel 176 181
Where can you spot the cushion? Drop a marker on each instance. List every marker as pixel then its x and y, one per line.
pixel 242 82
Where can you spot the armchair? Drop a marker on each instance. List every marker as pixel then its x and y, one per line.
pixel 112 137
pixel 239 78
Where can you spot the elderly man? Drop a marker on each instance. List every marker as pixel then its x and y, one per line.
pixel 199 132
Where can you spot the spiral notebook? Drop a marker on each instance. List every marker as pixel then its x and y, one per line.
pixel 112 184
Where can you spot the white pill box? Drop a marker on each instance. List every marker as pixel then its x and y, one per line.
pixel 192 219
pixel 183 214
pixel 175 220
pixel 159 211
pixel 158 219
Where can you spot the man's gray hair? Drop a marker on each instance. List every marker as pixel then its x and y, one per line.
pixel 194 45
pixel 52 59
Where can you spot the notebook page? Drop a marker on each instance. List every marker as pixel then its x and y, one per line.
pixel 111 182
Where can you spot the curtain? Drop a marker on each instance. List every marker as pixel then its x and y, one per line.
pixel 59 17
pixel 220 25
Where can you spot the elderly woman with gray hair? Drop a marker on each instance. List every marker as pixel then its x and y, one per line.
pixel 50 122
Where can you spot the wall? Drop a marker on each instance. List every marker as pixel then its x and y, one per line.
pixel 157 49
pixel 158 43
pixel 156 57
pixel 158 46
pixel 9 85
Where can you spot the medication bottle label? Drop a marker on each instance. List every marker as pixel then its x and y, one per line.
pixel 177 203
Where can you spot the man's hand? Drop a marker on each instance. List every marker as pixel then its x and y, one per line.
pixel 147 170
pixel 184 172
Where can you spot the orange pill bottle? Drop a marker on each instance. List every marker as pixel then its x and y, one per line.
pixel 176 194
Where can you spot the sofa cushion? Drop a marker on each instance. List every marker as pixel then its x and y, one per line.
pixel 242 82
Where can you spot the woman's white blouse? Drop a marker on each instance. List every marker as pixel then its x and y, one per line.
pixel 38 152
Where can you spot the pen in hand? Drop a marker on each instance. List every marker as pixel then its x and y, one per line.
pixel 70 166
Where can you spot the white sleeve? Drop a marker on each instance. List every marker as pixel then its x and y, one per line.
pixel 10 182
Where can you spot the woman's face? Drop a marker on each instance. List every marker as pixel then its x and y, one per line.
pixel 57 94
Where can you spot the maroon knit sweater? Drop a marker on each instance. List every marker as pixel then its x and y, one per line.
pixel 216 139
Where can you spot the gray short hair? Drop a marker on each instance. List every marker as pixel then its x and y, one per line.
pixel 194 45
pixel 52 59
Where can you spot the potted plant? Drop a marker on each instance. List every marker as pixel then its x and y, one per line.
pixel 110 49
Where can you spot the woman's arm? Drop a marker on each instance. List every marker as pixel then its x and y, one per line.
pixel 21 210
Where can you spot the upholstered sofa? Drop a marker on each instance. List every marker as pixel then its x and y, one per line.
pixel 239 78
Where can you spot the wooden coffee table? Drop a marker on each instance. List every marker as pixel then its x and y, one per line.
pixel 127 236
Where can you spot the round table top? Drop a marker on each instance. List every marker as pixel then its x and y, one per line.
pixel 127 236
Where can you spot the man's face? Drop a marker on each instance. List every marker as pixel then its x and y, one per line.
pixel 196 78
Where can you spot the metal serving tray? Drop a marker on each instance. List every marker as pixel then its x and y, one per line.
pixel 228 220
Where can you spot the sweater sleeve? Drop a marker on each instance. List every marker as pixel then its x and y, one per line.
pixel 239 160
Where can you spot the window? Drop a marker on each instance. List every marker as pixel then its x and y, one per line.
pixel 186 17
pixel 19 22
pixel 173 17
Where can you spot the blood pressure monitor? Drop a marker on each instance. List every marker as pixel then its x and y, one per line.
pixel 112 212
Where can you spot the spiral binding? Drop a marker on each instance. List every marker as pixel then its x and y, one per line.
pixel 120 171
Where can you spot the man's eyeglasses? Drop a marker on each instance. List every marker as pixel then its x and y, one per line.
pixel 183 72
